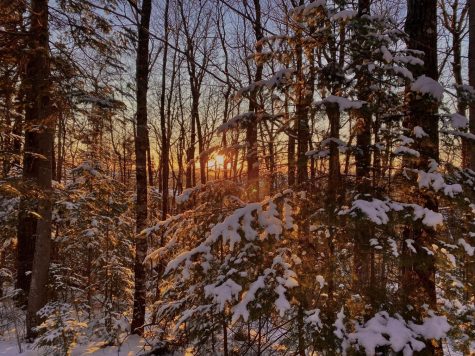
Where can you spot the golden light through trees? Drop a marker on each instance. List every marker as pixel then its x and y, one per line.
pixel 216 162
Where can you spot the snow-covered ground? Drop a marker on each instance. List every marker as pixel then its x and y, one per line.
pixel 132 346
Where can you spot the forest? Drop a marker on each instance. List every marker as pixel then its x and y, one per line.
pixel 237 177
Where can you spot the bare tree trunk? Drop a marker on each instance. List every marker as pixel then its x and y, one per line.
pixel 190 154
pixel 454 23
pixel 290 148
pixel 333 114
pixel 37 167
pixel 141 145
pixel 201 146
pixel 471 76
pixel 251 127
pixel 227 94
pixel 59 161
pixel 6 144
pixel 461 104
pixel 149 162
pixel 305 88
pixel 163 120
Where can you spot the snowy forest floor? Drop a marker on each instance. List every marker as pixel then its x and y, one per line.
pixel 132 346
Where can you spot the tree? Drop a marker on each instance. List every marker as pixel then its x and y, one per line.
pixel 455 22
pixel 141 146
pixel 471 74
pixel 418 276
pixel 196 30
pixel 165 154
pixel 252 157
pixel 34 226
pixel 363 125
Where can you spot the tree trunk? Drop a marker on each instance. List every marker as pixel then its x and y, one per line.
pixel 163 121
pixel 471 76
pixel 252 159
pixel 362 251
pixel 419 269
pixel 149 162
pixel 461 103
pixel 305 88
pixel 35 230
pixel 141 145
pixel 201 147
pixel 290 149
pixel 333 114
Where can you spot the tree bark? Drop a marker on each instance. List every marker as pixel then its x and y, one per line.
pixel 362 251
pixel 471 76
pixel 252 159
pixel 35 229
pixel 333 114
pixel 418 280
pixel 290 148
pixel 163 121
pixel 141 145
pixel 305 88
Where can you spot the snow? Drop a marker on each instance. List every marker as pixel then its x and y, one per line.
pixel 429 218
pixel 468 248
pixel 404 72
pixel 130 346
pixel 406 140
pixel 185 256
pixel 343 15
pixel 318 153
pixel 393 246
pixel 433 327
pixel 321 153
pixel 377 210
pixel 436 181
pixel 408 59
pixel 320 280
pixel 281 304
pixel 313 318
pixel 223 293
pixel 419 132
pixel 287 213
pixel 426 85
pixel 279 78
pixel 458 121
pixel 308 9
pixel 466 135
pixel 185 195
pixel 410 245
pixel 89 167
pixel 287 281
pixel 241 310
pixel 235 121
pixel 403 150
pixel 393 331
pixel 343 103
pixel 228 229
pixel 383 330
pixel 387 56
pixel 339 324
